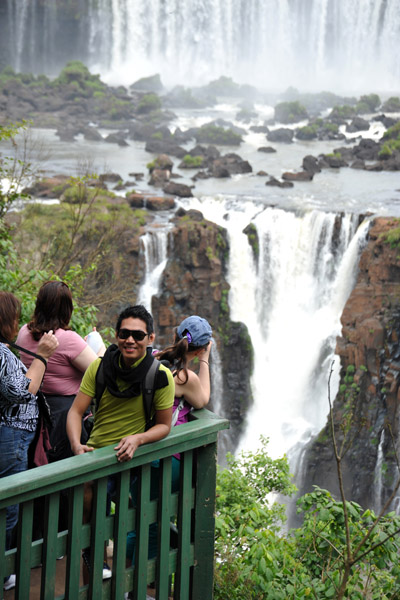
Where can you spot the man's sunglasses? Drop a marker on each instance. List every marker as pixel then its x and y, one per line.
pixel 137 335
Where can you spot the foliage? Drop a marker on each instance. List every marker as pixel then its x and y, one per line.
pixel 148 103
pixel 343 112
pixel 392 141
pixel 212 134
pixel 14 172
pixel 72 241
pixel 393 133
pixel 392 104
pixel 368 103
pixel 192 162
pixel 392 237
pixel 255 559
pixel 290 112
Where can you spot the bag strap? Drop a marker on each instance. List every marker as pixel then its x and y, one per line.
pixel 148 391
pixel 100 384
pixel 176 412
pixel 3 339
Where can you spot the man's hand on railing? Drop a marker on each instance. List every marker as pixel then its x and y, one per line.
pixel 127 447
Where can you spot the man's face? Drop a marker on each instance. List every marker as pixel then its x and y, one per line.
pixel 130 348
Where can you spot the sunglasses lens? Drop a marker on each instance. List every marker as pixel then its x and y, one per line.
pixel 137 335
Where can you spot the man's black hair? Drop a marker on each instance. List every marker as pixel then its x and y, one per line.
pixel 136 312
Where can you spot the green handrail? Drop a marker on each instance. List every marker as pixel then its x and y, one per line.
pixel 189 566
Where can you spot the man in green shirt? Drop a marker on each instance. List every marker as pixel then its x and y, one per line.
pixel 120 418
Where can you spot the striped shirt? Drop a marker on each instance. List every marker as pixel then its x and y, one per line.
pixel 18 407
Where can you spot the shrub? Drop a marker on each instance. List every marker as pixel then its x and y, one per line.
pixel 148 103
pixel 192 162
pixel 290 112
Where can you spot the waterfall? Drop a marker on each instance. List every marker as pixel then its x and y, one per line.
pixel 155 246
pixel 305 273
pixel 378 484
pixel 275 43
pixel 291 300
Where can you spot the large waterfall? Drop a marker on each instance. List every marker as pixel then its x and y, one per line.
pixel 269 43
pixel 291 299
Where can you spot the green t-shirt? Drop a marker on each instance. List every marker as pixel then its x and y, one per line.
pixel 119 417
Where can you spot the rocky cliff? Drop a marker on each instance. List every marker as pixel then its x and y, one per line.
pixel 365 412
pixel 194 282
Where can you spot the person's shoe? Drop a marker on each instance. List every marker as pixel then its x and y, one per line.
pixel 106 569
pixel 10 582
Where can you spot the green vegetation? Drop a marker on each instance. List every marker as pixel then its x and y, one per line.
pixel 315 128
pixel 73 241
pixel 290 112
pixel 252 236
pixel 255 559
pixel 148 103
pixel 392 237
pixel 392 141
pixel 368 104
pixel 192 162
pixel 212 134
pixel 343 112
pixel 392 104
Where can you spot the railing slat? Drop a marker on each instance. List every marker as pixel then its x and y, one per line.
pixel 74 543
pixel 23 570
pixel 204 522
pixel 120 530
pixel 164 517
pixel 98 538
pixel 142 533
pixel 184 527
pixel 3 567
pixel 49 551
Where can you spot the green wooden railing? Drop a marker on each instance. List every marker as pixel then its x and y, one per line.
pixel 184 572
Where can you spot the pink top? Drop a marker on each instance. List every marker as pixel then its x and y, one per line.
pixel 61 377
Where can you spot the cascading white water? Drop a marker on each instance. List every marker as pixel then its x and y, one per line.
pixel 275 43
pixel 155 247
pixel 378 487
pixel 291 302
pixel 305 275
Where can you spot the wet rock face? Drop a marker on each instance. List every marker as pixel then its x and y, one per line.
pixel 194 282
pixel 369 393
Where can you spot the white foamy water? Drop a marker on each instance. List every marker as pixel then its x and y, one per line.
pixel 291 300
pixel 349 44
pixel 155 246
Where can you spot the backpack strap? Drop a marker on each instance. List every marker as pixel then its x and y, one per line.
pixel 176 412
pixel 100 384
pixel 148 392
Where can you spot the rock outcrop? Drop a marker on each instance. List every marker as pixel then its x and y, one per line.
pixel 366 407
pixel 194 282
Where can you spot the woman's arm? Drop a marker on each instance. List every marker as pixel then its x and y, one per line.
pixel 84 359
pixel 74 422
pixel 197 388
pixel 47 345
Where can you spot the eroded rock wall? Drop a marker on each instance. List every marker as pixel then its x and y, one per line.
pixel 194 282
pixel 365 411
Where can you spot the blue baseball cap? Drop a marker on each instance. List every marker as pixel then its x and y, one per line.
pixel 199 330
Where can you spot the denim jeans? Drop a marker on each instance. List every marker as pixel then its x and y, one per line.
pixel 14 444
